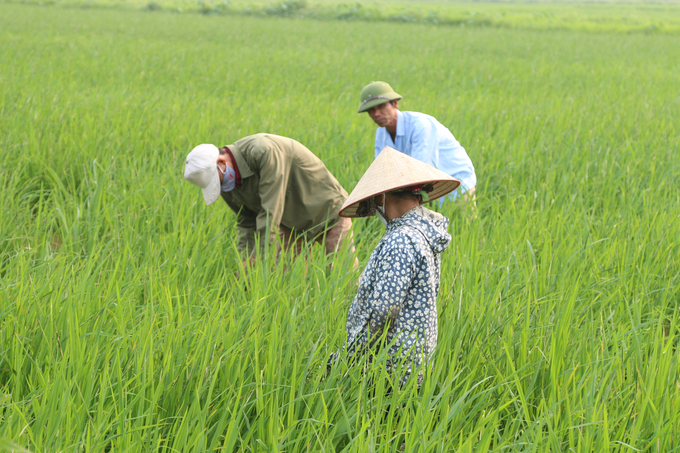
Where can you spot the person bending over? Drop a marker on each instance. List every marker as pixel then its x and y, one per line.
pixel 274 185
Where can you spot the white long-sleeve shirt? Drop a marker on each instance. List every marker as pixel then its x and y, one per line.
pixel 424 138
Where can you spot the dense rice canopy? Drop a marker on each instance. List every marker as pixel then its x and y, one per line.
pixel 124 328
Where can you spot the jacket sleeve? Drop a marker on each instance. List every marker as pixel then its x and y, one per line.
pixel 246 225
pixel 274 169
pixel 396 270
pixel 245 222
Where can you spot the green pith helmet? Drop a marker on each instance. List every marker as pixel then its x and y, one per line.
pixel 376 93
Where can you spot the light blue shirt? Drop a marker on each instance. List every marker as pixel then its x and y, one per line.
pixel 424 138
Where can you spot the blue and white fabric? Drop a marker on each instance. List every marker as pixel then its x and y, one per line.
pixel 424 138
pixel 228 179
pixel 398 292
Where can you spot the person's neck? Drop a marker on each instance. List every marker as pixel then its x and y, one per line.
pixel 392 128
pixel 397 207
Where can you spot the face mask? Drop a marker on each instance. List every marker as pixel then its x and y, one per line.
pixel 229 179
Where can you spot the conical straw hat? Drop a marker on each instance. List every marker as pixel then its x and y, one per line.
pixel 393 170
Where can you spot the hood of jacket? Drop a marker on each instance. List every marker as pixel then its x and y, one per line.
pixel 432 224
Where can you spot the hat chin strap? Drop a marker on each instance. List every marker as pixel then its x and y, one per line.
pixel 381 216
pixel 380 211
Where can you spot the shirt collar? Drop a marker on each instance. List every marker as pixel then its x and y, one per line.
pixel 400 123
pixel 243 167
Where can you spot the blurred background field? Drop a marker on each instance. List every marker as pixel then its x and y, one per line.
pixel 124 328
pixel 648 16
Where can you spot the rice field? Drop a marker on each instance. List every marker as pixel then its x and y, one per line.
pixel 623 16
pixel 124 328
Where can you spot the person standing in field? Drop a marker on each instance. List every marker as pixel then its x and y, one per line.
pixel 396 302
pixel 417 135
pixel 274 185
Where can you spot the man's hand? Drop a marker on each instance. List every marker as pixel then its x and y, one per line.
pixel 249 262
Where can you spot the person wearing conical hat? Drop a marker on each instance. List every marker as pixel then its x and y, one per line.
pixel 397 294
pixel 417 135
pixel 275 186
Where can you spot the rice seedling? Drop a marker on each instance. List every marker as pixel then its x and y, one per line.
pixel 123 326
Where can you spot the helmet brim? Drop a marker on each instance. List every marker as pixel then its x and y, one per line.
pixel 378 100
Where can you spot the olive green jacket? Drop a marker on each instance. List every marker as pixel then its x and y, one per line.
pixel 282 184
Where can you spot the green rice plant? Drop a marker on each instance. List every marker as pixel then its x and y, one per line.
pixel 124 327
pixel 612 16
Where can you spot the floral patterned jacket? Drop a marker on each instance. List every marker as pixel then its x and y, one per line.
pixel 398 292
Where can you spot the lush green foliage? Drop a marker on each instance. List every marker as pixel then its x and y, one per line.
pixel 648 16
pixel 124 328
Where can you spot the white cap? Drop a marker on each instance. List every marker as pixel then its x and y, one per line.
pixel 201 170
